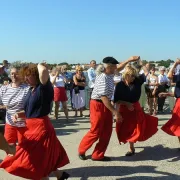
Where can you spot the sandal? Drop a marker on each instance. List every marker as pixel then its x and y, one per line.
pixel 130 153
pixel 64 176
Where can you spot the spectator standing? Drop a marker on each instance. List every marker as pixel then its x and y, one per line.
pixel 163 86
pixel 69 81
pixel 58 80
pixel 78 96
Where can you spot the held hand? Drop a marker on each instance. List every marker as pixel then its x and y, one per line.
pixel 162 94
pixel 130 106
pixel 134 58
pixel 14 118
pixel 118 117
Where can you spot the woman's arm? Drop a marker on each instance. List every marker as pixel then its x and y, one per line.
pixel 78 83
pixel 43 73
pixel 53 78
pixel 122 65
pixel 163 94
pixel 171 72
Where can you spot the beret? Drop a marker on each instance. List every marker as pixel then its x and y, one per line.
pixel 110 60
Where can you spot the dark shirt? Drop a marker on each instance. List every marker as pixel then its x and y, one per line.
pixel 80 80
pixel 129 93
pixel 37 103
pixel 176 79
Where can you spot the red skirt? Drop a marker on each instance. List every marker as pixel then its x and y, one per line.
pixel 60 94
pixel 136 125
pixel 39 153
pixel 172 127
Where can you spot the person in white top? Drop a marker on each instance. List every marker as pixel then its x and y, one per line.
pixel 91 74
pixel 163 86
pixel 58 80
pixel 152 95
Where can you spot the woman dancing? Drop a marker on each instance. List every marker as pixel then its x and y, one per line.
pixel 136 125
pixel 172 127
pixel 40 152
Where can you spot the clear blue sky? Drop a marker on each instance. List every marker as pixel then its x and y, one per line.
pixel 77 31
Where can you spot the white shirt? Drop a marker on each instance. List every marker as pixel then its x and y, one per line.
pixel 117 78
pixel 91 76
pixel 59 82
pixel 162 78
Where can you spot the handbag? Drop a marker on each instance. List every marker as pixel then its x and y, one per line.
pixel 76 90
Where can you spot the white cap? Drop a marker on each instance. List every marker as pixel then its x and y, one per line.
pixel 162 68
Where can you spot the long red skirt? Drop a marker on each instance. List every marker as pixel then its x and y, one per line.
pixel 39 153
pixel 136 125
pixel 172 127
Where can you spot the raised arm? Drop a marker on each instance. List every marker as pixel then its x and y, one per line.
pixel 122 65
pixel 171 72
pixel 43 73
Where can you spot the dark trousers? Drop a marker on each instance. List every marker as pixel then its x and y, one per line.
pixel 161 101
pixel 70 92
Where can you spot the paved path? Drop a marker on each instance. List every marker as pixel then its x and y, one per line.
pixel 157 158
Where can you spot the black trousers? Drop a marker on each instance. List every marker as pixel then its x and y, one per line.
pixel 161 100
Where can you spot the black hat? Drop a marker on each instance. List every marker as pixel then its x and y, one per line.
pixel 110 60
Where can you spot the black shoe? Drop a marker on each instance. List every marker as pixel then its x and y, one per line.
pixel 82 157
pixel 130 153
pixel 105 158
pixel 64 176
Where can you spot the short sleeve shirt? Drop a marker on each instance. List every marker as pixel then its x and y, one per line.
pixel 104 86
pixel 13 98
pixel 129 93
pixel 38 102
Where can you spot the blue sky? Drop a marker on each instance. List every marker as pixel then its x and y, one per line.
pixel 77 31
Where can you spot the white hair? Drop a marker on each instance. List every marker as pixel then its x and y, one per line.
pixel 101 68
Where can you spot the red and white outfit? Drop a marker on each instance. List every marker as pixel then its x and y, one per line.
pixel 100 118
pixel 59 89
pixel 13 98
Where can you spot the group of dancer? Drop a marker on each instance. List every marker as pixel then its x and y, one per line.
pixel 38 151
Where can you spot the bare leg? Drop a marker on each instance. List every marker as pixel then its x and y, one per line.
pixel 132 150
pixel 150 106
pixel 76 112
pixel 155 105
pixel 131 146
pixel 179 139
pixel 56 109
pixel 64 104
pixel 81 112
pixel 58 173
pixel 6 147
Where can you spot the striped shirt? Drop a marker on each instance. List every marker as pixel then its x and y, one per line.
pixel 104 86
pixel 13 98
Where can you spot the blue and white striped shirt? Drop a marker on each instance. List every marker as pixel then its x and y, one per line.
pixel 12 98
